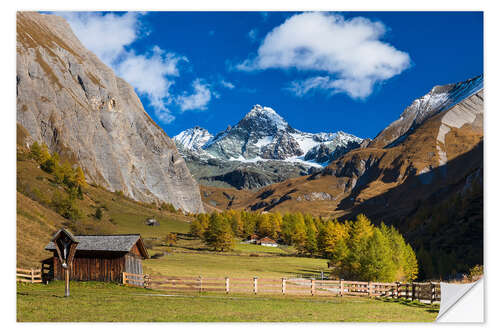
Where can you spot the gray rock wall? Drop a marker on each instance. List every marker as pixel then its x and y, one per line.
pixel 67 98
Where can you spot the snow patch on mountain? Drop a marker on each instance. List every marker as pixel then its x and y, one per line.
pixel 193 139
pixel 439 99
pixel 267 114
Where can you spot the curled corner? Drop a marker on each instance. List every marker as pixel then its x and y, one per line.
pixel 461 303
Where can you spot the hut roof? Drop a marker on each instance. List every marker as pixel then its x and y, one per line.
pixel 113 243
pixel 267 240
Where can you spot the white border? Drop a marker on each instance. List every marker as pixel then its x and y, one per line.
pixel 492 142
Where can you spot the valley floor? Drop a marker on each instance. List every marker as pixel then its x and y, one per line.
pixel 190 257
pixel 107 302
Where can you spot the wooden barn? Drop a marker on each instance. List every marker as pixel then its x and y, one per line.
pixel 99 258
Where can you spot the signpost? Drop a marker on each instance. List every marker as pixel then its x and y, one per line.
pixel 66 245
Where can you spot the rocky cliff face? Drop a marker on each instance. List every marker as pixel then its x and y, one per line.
pixel 67 98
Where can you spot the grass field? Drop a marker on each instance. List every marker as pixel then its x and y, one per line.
pixel 94 301
pixel 220 265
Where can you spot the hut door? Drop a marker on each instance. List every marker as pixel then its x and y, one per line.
pixel 133 265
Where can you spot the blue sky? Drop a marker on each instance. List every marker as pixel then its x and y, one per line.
pixel 349 71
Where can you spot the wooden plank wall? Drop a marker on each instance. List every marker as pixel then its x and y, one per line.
pixel 92 267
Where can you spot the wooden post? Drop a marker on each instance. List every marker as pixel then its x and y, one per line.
pixel 227 285
pixel 255 285
pixel 66 289
pixel 283 286
pixel 124 278
pixel 397 290
pixel 370 289
pixel 412 291
pixel 341 287
pixel 406 290
pixel 32 275
pixel 312 287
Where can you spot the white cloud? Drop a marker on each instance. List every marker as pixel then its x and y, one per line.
pixel 344 55
pixel 198 100
pixel 152 73
pixel 227 84
pixel 252 34
pixel 105 35
pixel 301 88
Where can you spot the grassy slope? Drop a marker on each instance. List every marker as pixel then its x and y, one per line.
pixel 92 301
pixel 36 222
pixel 35 225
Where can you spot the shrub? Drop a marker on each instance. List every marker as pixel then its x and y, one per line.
pixel 98 213
pixel 65 206
pixel 51 163
pixel 171 239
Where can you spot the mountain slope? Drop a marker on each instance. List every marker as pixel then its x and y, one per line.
pixel 420 163
pixel 439 99
pixel 261 149
pixel 67 98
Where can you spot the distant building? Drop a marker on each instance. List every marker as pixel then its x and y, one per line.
pixel 152 222
pixel 266 241
pixel 253 239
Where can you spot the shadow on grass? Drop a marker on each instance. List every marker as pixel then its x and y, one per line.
pixel 432 308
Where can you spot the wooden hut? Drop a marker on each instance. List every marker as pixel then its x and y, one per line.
pixel 99 258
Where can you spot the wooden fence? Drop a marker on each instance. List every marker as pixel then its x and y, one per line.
pixel 429 291
pixel 29 275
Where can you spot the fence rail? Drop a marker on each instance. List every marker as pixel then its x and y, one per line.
pixel 429 291
pixel 29 275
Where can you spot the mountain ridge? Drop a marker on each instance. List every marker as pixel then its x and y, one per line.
pixel 440 98
pixel 261 149
pixel 262 133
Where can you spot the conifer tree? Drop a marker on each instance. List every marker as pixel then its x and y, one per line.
pixel 311 245
pixel 80 177
pixel 410 266
pixel 51 163
pixel 276 222
pixel 299 232
pixel 264 226
pixel 376 263
pixel 36 152
pixel 199 225
pixel 237 224
pixel 219 235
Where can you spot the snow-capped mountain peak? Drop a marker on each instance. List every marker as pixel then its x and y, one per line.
pixel 265 116
pixel 192 139
pixel 262 135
